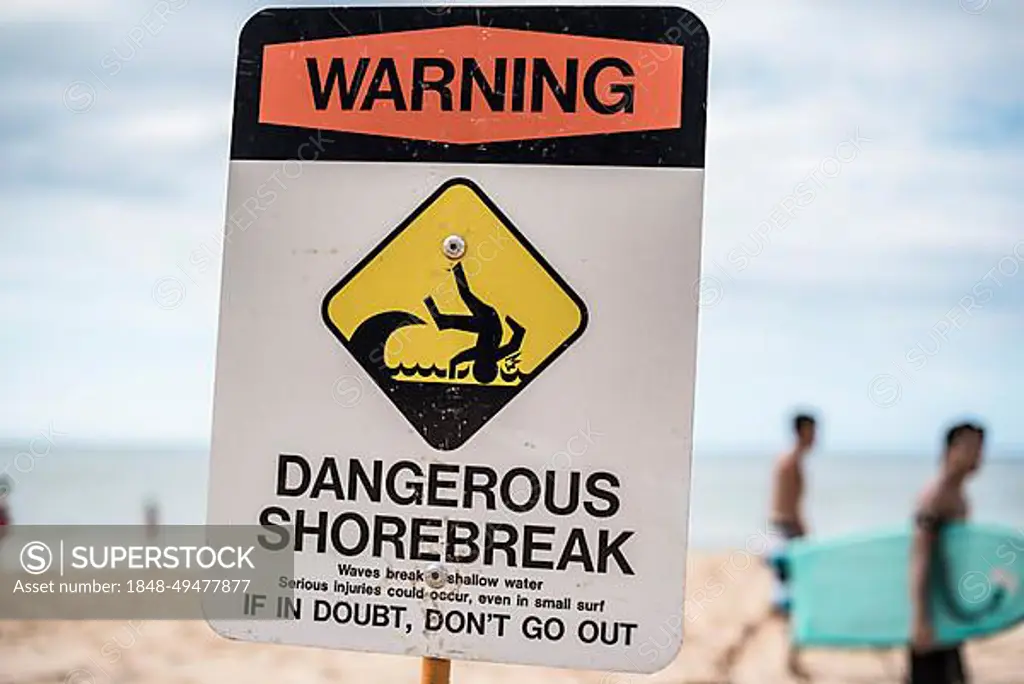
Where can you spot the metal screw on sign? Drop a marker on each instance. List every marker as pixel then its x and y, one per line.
pixel 435 576
pixel 454 247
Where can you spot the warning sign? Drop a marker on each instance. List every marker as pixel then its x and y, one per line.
pixel 457 339
pixel 454 313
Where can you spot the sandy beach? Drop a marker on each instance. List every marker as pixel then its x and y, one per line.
pixel 726 594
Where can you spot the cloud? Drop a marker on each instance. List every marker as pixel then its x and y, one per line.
pixel 791 84
pixel 54 10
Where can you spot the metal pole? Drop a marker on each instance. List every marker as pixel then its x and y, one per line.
pixel 435 671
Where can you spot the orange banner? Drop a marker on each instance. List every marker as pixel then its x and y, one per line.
pixel 472 84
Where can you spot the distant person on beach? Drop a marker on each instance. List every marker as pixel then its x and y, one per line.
pixel 786 523
pixel 787 519
pixel 5 509
pixel 152 517
pixel 942 502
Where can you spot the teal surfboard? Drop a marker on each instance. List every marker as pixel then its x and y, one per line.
pixel 855 591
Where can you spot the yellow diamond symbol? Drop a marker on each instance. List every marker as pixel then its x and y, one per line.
pixel 451 341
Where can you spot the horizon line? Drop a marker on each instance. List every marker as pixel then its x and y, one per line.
pixel 997 452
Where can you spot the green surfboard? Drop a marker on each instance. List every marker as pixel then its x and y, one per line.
pixel 855 591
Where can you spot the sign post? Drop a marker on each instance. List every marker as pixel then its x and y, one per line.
pixel 435 671
pixel 457 338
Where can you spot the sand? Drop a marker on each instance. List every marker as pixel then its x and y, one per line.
pixel 726 594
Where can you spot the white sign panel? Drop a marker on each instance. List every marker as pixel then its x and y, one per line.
pixel 457 339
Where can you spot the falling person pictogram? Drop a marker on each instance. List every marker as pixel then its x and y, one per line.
pixel 483 321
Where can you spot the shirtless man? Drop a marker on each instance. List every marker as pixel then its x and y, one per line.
pixel 787 522
pixel 787 519
pixel 942 502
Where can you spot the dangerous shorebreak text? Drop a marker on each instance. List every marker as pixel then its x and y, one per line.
pixel 501 542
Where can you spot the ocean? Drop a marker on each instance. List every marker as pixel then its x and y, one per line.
pixel 847 493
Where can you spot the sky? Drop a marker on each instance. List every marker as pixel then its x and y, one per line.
pixel 863 248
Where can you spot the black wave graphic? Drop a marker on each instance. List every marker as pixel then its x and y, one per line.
pixel 368 341
pixel 418 371
pixel 445 414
